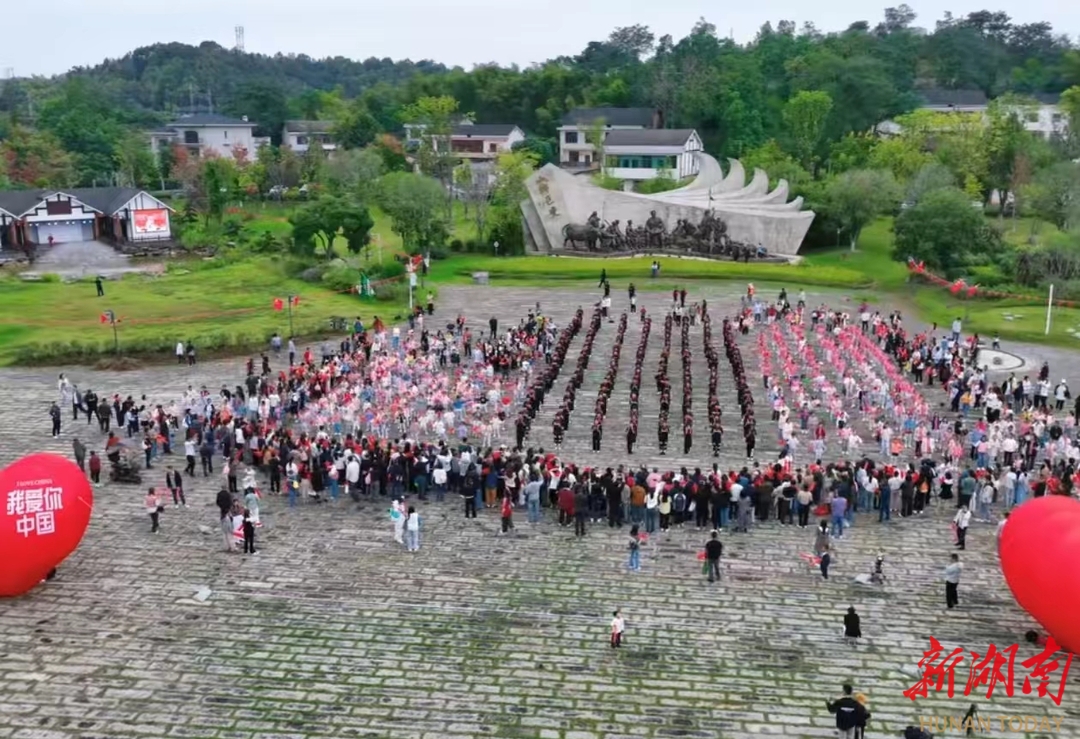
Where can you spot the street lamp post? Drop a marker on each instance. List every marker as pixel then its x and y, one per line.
pixel 496 248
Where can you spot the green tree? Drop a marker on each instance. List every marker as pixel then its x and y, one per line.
pixel 805 117
pixel 511 170
pixel 355 171
pixel 779 165
pixel 354 126
pixel 596 134
pixel 1005 140
pixel 856 197
pixel 265 105
pixel 415 206
pixel 546 150
pixel 931 177
pixel 900 155
pixel 85 123
pixel 134 162
pixel 438 115
pixel 1069 104
pixel 36 159
pixel 1054 195
pixel 946 233
pixel 218 185
pixel 316 225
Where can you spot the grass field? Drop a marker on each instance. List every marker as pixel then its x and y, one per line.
pixel 227 307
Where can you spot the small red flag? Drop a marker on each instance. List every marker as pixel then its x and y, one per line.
pixel 107 317
pixel 295 300
pixel 279 304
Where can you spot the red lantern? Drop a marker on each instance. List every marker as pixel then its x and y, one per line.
pixel 47 505
pixel 279 304
pixel 1038 532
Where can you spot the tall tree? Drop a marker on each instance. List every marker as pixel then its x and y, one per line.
pixel 415 206
pixel 317 225
pixel 36 159
pixel 265 105
pixel 946 233
pixel 437 115
pixel 858 196
pixel 805 117
pixel 354 126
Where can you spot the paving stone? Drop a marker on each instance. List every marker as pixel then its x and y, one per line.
pixel 333 631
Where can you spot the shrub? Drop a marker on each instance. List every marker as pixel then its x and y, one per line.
pixel 341 279
pixel 387 270
pixel 392 292
pixel 456 245
pixel 314 273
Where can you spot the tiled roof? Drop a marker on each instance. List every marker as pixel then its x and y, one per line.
pixel 208 119
pixel 308 126
pixel 483 129
pixel 107 200
pixel 648 137
pixel 938 98
pixel 611 116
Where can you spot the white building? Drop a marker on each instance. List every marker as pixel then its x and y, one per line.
pixel 1041 117
pixel 119 214
pixel 204 133
pixel 302 135
pixel 481 141
pixel 645 154
pixel 575 150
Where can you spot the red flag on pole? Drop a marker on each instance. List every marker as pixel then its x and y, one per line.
pixel 107 317
pixel 295 300
pixel 279 304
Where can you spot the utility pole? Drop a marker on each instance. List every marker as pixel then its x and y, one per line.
pixel 239 38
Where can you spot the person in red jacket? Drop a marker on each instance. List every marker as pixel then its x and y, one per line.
pixel 95 468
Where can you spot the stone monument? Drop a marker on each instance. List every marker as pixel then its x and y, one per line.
pixel 715 215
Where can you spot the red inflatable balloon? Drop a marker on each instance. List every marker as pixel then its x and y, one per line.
pixel 1041 532
pixel 47 504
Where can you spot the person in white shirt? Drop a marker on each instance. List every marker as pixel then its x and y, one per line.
pixel 962 519
pixel 618 626
pixel 412 530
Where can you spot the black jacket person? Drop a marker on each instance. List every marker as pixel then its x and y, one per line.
pixel 850 714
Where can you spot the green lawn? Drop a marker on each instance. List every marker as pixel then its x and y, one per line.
pixel 227 307
pixel 872 257
pixel 541 271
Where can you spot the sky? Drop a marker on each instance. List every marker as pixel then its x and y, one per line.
pixel 67 33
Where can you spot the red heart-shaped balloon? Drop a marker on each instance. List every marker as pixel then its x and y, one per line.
pixel 1038 548
pixel 47 502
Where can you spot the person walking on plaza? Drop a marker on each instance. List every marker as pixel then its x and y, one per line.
pixel 79 450
pixel 618 627
pixel 95 468
pixel 249 533
pixel 713 550
pixel 581 511
pixel 850 714
pixel 852 627
pixel 54 414
pixel 174 481
pixel 507 513
pixel 154 509
pixel 961 521
pixel 952 581
pixel 635 549
pixel 826 560
pixel 412 530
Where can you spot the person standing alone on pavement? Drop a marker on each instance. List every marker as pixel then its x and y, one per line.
pixel 962 520
pixel 618 626
pixel 54 414
pixel 952 581
pixel 852 627
pixel 713 550
pixel 249 533
pixel 153 508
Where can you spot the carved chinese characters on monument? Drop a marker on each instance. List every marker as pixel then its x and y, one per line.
pixel 47 506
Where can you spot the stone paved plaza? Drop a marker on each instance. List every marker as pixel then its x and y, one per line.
pixel 334 631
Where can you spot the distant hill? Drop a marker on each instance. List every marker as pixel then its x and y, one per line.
pixel 174 75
